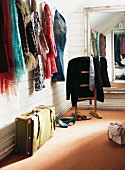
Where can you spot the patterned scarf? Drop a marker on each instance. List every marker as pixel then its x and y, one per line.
pixel 16 43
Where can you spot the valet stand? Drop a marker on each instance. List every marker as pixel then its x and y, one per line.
pixel 94 112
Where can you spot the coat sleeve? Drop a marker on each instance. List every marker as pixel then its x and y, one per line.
pixel 98 80
pixel 68 80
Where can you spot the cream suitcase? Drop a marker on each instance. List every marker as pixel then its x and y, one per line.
pixel 47 122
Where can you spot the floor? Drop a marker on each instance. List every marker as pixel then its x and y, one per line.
pixel 82 146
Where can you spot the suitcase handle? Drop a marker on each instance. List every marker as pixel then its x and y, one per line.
pixel 35 110
pixel 38 126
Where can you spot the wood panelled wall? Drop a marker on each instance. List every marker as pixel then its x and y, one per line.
pixel 76 35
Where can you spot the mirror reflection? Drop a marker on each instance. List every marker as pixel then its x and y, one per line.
pixel 108 29
pixel 119 51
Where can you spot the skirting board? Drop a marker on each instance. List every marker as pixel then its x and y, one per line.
pixel 108 104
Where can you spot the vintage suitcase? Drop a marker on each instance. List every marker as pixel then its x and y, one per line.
pixel 47 122
pixel 27 131
pixel 34 129
pixel 52 113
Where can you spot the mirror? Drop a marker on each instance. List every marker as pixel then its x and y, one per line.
pixel 109 21
pixel 119 52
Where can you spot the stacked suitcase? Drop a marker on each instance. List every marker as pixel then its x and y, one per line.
pixel 33 129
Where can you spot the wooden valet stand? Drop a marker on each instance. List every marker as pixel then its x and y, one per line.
pixel 94 112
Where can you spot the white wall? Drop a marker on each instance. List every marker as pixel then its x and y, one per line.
pixel 76 41
pixel 97 3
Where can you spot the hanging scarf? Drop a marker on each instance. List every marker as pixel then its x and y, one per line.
pixel 27 35
pixel 6 51
pixel 16 43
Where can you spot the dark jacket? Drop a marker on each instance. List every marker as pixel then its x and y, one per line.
pixel 75 78
pixel 104 73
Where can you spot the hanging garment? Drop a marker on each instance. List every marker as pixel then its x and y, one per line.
pixel 6 51
pixel 27 35
pixel 38 76
pixel 102 45
pixel 74 79
pixel 122 46
pixel 40 37
pixel 42 50
pixel 104 73
pixel 16 43
pixel 91 74
pixel 60 31
pixel 117 48
pixel 47 25
pixel 93 43
pixel 97 44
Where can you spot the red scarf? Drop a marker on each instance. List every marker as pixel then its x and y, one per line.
pixel 6 51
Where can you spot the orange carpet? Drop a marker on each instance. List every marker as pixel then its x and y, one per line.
pixel 83 146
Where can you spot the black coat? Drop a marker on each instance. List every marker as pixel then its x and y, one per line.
pixel 104 73
pixel 75 78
